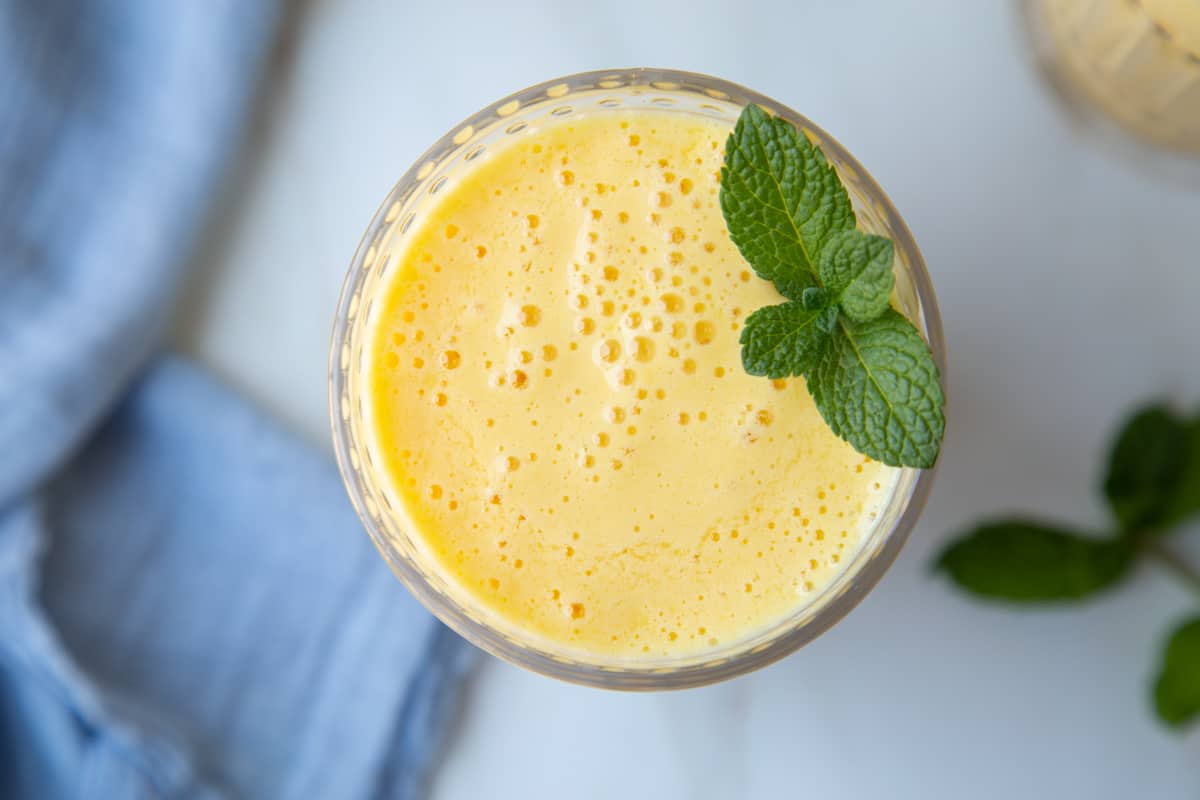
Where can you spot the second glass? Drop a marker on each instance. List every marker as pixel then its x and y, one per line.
pixel 1133 62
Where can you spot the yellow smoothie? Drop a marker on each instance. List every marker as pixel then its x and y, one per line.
pixel 557 400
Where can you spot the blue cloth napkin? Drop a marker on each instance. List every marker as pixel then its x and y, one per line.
pixel 188 606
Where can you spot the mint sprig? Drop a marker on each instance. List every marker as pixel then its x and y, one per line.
pixel 870 373
pixel 1152 484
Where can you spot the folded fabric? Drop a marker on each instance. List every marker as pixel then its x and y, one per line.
pixel 188 606
pixel 209 572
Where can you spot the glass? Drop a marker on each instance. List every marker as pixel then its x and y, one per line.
pixel 1133 65
pixel 594 93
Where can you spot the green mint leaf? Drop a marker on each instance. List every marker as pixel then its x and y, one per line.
pixel 784 341
pixel 814 298
pixel 1177 690
pixel 781 200
pixel 1145 468
pixel 857 269
pixel 1185 502
pixel 868 369
pixel 877 386
pixel 1023 561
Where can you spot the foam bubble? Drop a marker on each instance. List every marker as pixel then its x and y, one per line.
pixel 529 315
pixel 607 351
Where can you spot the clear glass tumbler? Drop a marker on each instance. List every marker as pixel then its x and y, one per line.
pixel 597 93
pixel 1133 65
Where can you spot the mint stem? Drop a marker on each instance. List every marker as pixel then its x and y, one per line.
pixel 1176 565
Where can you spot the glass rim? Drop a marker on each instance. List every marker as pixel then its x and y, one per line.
pixel 779 639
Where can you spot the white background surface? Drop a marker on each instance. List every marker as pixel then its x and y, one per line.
pixel 1068 282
